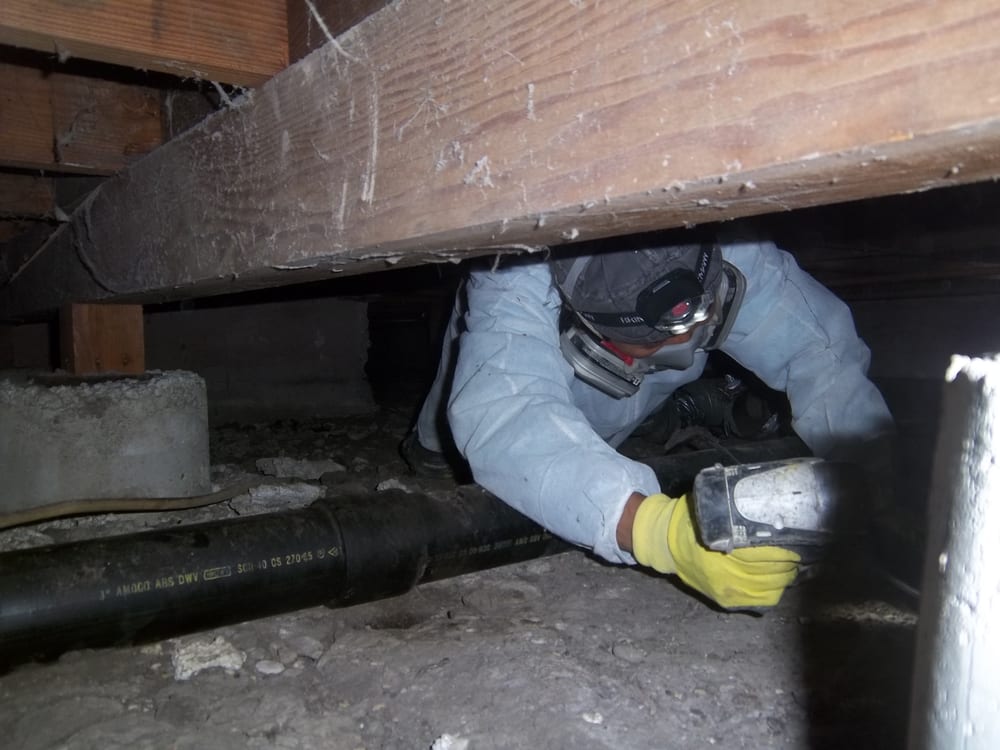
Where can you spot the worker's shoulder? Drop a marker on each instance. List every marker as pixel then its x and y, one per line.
pixel 754 256
pixel 508 272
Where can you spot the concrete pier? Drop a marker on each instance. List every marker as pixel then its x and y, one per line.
pixel 68 438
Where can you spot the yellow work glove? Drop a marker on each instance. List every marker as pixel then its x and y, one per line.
pixel 663 538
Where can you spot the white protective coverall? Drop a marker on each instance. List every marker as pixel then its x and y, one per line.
pixel 544 441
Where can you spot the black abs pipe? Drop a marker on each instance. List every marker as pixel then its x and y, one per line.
pixel 340 551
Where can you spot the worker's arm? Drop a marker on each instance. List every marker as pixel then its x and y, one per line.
pixel 623 532
pixel 799 338
pixel 513 417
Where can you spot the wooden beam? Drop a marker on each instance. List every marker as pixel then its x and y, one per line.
pixel 23 240
pixel 102 338
pixel 26 201
pixel 228 41
pixel 312 22
pixel 30 205
pixel 529 123
pixel 60 122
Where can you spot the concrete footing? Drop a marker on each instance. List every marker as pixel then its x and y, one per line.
pixel 69 438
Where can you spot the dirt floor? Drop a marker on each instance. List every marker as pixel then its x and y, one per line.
pixel 556 652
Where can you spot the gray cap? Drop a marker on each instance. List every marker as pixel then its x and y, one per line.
pixel 609 283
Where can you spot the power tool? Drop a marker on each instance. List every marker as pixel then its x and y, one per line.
pixel 798 503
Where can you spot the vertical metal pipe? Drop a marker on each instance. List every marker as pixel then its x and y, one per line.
pixel 956 695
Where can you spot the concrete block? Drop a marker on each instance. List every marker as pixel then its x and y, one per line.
pixel 67 437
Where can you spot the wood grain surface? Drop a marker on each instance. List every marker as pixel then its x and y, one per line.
pixel 436 130
pixel 223 40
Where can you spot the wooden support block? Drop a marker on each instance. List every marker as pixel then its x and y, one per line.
pixel 102 338
pixel 229 41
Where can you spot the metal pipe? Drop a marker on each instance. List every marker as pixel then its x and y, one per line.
pixel 339 551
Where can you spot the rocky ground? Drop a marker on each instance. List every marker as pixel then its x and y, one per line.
pixel 557 652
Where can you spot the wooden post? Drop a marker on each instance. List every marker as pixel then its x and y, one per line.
pixel 102 338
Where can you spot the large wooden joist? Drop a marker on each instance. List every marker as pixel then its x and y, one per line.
pixel 434 130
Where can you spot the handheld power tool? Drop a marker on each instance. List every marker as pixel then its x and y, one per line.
pixel 799 503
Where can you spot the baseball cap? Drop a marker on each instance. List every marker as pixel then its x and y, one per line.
pixel 641 293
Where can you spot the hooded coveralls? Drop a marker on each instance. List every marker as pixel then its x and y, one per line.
pixel 544 441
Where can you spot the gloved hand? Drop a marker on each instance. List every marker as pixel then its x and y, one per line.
pixel 663 537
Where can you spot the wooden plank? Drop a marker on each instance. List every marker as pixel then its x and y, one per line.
pixel 312 22
pixel 102 123
pixel 528 123
pixel 102 338
pixel 72 123
pixel 26 127
pixel 225 40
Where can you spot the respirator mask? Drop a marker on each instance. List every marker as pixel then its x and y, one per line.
pixel 674 304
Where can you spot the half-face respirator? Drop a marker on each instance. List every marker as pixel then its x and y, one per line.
pixel 672 305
